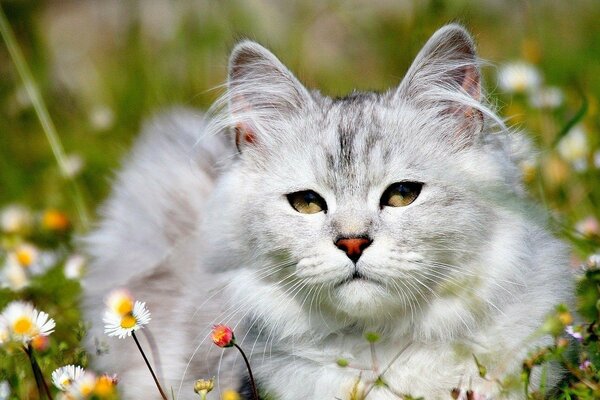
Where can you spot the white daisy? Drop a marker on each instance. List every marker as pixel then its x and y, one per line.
pixel 4 390
pixel 74 266
pixel 123 325
pixel 83 387
pixel 25 322
pixel 549 97
pixel 4 333
pixel 13 276
pixel 64 377
pixel 120 302
pixel 518 77
pixel 33 259
pixel 574 146
pixel 15 219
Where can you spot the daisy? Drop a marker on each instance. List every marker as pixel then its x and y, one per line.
pixel 25 322
pixel 83 386
pixel 74 266
pixel 13 276
pixel 64 377
pixel 122 325
pixel 4 333
pixel 32 259
pixel 518 77
pixel 120 302
pixel 15 219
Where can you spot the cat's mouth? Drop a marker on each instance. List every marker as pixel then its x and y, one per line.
pixel 355 277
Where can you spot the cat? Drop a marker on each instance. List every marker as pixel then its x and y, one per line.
pixel 306 222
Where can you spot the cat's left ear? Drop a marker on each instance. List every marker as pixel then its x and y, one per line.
pixel 445 75
pixel 263 95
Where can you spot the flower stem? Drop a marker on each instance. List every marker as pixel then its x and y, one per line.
pixel 43 115
pixel 149 367
pixel 254 391
pixel 37 374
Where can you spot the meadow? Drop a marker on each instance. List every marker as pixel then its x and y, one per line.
pixel 93 72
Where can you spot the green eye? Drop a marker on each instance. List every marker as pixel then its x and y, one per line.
pixel 307 202
pixel 400 194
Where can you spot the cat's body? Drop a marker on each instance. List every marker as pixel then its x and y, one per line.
pixel 214 232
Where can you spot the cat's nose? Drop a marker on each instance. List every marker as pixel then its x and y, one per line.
pixel 354 246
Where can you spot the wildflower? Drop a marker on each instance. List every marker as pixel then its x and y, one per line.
pixel 15 219
pixel 588 227
pixel 40 343
pixel 222 336
pixel 120 302
pixel 83 386
pixel 101 117
pixel 4 333
pixel 123 324
pixel 105 386
pixel 586 364
pixel 518 77
pixel 565 317
pixel 64 377
pixel 13 275
pixel 73 165
pixel 548 98
pixel 4 390
pixel 230 395
pixel 25 322
pixel 574 334
pixel 574 147
pixel 74 265
pixel 593 261
pixel 31 258
pixel 203 386
pixel 54 220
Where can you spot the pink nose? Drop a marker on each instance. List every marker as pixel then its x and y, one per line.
pixel 353 247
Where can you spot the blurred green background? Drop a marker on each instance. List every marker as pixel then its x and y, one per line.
pixel 104 66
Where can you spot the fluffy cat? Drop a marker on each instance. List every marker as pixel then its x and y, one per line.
pixel 305 222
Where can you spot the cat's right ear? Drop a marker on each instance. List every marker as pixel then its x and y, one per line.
pixel 263 95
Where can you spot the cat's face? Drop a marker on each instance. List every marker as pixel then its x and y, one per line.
pixel 368 204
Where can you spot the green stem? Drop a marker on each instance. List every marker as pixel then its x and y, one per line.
pixel 163 395
pixel 40 382
pixel 252 383
pixel 42 113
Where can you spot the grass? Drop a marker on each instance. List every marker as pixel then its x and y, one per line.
pixel 98 72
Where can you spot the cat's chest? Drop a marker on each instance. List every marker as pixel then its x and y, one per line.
pixel 339 368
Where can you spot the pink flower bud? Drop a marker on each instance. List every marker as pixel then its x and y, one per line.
pixel 222 336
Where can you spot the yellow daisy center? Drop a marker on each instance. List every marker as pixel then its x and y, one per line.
pixel 86 389
pixel 24 257
pixel 66 382
pixel 128 321
pixel 23 325
pixel 104 386
pixel 124 305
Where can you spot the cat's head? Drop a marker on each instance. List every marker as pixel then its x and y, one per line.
pixel 367 204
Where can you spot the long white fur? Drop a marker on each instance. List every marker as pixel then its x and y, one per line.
pixel 205 235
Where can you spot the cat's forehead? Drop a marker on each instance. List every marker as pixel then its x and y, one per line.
pixel 354 142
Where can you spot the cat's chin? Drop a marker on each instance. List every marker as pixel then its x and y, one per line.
pixel 361 298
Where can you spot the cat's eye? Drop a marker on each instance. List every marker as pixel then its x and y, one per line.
pixel 400 194
pixel 307 202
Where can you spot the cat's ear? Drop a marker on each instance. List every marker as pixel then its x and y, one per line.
pixel 263 95
pixel 445 75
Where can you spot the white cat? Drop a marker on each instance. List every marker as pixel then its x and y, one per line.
pixel 305 222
